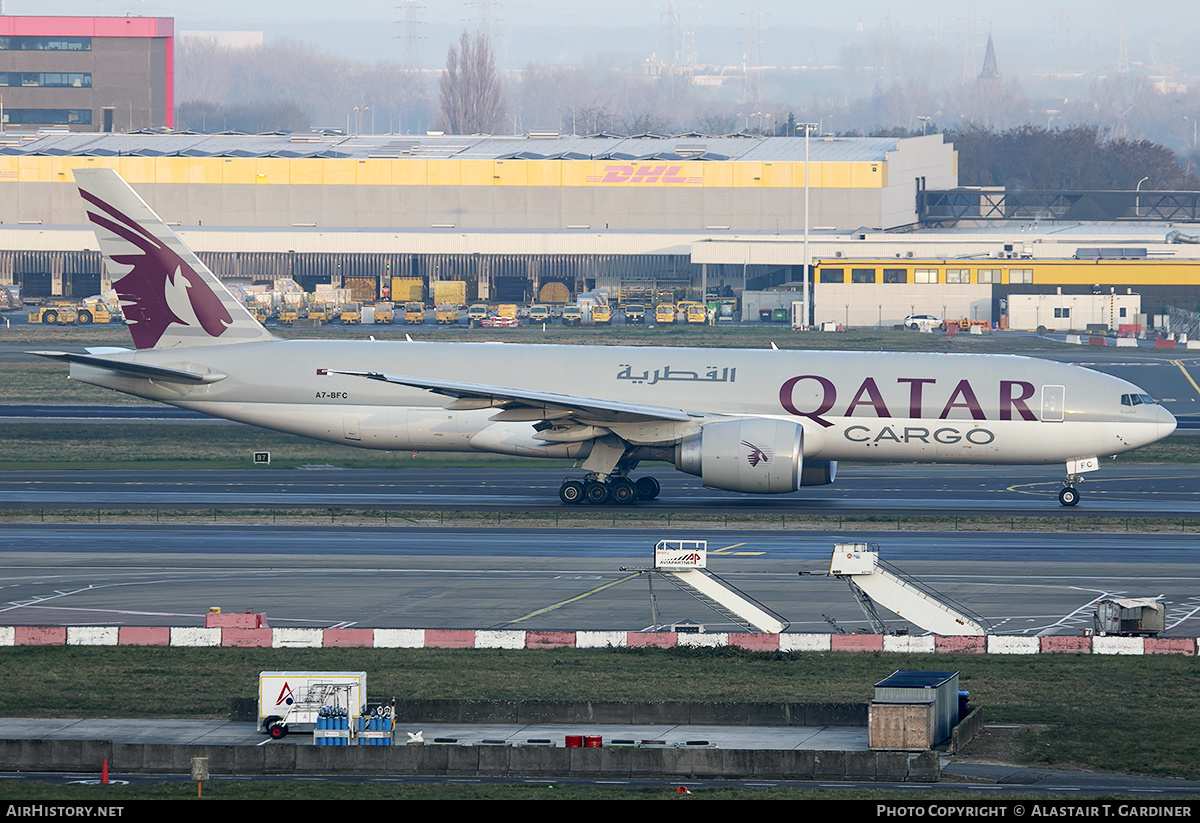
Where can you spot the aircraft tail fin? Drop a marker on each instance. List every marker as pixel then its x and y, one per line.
pixel 168 296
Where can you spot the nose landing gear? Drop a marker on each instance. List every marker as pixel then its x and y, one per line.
pixel 1069 495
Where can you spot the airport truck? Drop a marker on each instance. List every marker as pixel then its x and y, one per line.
pixel 295 701
pixel 446 314
pixel 414 313
pixel 385 312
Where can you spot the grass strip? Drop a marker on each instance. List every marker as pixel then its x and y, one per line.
pixel 1111 713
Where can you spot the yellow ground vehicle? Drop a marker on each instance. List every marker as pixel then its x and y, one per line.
pixel 319 312
pixel 697 313
pixel 288 315
pixel 385 312
pixel 664 313
pixel 508 310
pixel 67 314
pixel 446 313
pixel 539 313
pixel 414 312
pixel 572 315
pixel 635 313
pixel 601 315
pixel 352 313
pixel 477 312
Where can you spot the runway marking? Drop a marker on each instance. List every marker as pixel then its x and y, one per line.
pixel 1079 613
pixel 1179 364
pixel 1027 488
pixel 562 603
pixel 725 552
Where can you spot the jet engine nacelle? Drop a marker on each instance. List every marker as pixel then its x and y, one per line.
pixel 754 455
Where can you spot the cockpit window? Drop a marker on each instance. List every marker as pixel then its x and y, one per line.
pixel 1136 400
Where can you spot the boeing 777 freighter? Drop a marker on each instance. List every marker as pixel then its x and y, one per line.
pixel 743 420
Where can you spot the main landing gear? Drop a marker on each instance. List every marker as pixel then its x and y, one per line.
pixel 614 489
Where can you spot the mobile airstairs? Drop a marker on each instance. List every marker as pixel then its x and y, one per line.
pixel 873 581
pixel 683 563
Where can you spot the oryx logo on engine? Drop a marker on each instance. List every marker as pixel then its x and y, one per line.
pixel 756 455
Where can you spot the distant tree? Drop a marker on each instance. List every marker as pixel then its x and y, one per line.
pixel 1079 157
pixel 472 98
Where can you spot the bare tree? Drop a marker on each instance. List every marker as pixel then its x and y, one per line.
pixel 472 98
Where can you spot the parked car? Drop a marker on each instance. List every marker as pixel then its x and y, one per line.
pixel 919 322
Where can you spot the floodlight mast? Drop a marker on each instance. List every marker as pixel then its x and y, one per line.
pixel 808 127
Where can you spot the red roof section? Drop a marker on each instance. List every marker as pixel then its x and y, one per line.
pixel 87 26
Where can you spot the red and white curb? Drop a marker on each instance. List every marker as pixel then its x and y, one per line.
pixel 266 638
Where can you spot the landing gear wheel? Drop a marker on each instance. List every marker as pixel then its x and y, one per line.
pixel 596 492
pixel 571 492
pixel 622 491
pixel 1069 496
pixel 647 488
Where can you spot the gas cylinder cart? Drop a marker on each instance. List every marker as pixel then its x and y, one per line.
pixel 328 704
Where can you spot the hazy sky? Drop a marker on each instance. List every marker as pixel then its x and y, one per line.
pixel 1030 34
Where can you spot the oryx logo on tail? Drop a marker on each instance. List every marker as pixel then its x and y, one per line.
pixel 160 288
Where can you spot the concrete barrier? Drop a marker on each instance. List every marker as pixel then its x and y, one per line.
pixel 909 644
pixel 92 635
pixel 515 639
pixel 1077 644
pixel 506 639
pixel 472 761
pixel 399 638
pixel 1118 645
pixel 297 638
pixel 1013 645
pixel 601 640
pixel 1127 342
pixel 805 642
pixel 184 636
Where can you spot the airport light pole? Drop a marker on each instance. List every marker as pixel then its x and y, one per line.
pixel 1137 201
pixel 808 127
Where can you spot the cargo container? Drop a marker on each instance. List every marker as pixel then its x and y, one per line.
pixel 407 289
pixel 450 291
pixel 362 289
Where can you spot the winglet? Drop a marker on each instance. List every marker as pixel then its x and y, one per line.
pixel 168 296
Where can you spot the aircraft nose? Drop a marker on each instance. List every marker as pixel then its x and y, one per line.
pixel 1166 422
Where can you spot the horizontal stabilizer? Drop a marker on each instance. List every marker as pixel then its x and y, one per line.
pixel 127 367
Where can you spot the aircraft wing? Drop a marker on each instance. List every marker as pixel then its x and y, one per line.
pixel 132 369
pixel 546 405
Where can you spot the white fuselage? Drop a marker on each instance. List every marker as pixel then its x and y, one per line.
pixel 871 406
